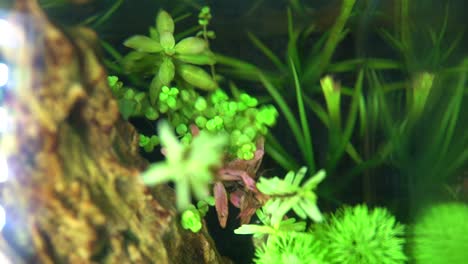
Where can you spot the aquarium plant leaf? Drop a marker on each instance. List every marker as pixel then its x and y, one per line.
pixel 292 51
pixel 185 166
pixel 287 225
pixel 160 56
pixel 336 34
pixel 204 58
pixel 279 154
pixel 344 140
pixel 221 203
pixel 266 51
pixel 99 19
pixel 309 157
pixel 371 63
pixel 191 219
pixel 190 45
pixel 164 22
pixel 284 107
pixel 197 77
pixel 143 44
pixel 286 194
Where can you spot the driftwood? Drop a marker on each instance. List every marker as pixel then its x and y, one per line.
pixel 74 195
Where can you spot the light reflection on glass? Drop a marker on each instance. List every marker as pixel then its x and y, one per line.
pixel 4 72
pixel 9 38
pixel 4 259
pixel 7 35
pixel 6 122
pixel 3 170
pixel 2 219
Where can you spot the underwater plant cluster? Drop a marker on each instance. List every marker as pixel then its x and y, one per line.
pixel 314 133
pixel 290 226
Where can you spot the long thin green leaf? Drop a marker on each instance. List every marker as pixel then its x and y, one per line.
pixel 453 44
pixel 182 17
pixel 187 33
pixel 352 152
pixel 101 18
pixel 372 63
pixel 283 105
pixel 392 41
pixel 235 63
pixel 303 119
pixel 362 115
pixel 279 154
pixel 443 29
pixel 350 122
pixel 461 158
pixel 451 115
pixel 323 116
pixel 318 110
pixel 296 5
pixel 111 50
pixel 292 51
pixel 336 35
pixel 377 160
pixel 266 51
pixel 254 7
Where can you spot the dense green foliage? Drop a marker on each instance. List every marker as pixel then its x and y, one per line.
pixel 439 235
pixel 291 247
pixel 387 117
pixel 185 166
pixel 357 235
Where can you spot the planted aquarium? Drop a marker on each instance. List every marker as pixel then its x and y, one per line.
pixel 249 131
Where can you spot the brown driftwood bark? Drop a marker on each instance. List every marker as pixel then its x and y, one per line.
pixel 74 195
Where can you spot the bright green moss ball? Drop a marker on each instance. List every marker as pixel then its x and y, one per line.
pixel 290 248
pixel 440 235
pixel 358 235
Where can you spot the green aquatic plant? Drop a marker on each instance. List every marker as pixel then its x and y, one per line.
pixel 159 55
pixel 439 235
pixel 191 218
pixel 131 101
pixel 288 194
pixel 291 247
pixel 286 237
pixel 241 118
pixel 264 216
pixel 300 72
pixel 357 235
pixel 185 166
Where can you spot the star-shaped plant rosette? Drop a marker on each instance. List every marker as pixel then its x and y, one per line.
pixel 194 168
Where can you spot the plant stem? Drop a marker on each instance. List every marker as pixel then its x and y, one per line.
pixel 335 36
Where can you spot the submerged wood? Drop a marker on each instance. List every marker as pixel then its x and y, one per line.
pixel 74 195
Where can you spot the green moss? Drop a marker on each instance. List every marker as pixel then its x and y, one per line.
pixel 357 235
pixel 440 235
pixel 290 247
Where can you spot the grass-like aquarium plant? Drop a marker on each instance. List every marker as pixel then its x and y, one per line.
pixel 313 133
